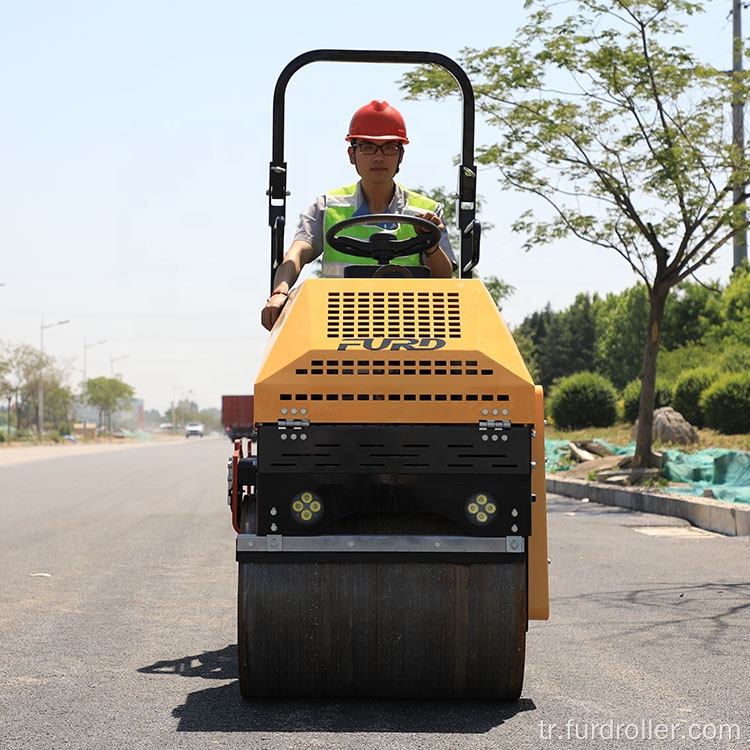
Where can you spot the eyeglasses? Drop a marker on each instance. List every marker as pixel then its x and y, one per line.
pixel 370 149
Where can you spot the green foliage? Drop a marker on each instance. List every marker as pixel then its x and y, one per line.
pixel 735 357
pixel 527 349
pixel 108 395
pixel 689 357
pixel 563 343
pixel 690 313
pixel 620 346
pixel 594 105
pixel 631 396
pixel 726 404
pixel 58 407
pixel 606 118
pixel 447 200
pixel 499 290
pixel 688 389
pixel 585 399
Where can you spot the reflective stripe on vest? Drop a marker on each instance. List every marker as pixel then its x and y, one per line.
pixel 341 204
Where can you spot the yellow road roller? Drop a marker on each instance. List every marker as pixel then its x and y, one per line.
pixel 391 522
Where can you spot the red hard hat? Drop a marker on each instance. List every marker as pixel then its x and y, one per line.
pixel 378 121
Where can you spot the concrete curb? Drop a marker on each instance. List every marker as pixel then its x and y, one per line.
pixel 732 519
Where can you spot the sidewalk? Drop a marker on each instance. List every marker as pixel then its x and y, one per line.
pixel 16 453
pixel 732 519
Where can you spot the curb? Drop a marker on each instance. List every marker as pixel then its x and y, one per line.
pixel 731 519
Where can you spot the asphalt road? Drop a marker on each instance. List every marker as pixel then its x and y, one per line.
pixel 117 618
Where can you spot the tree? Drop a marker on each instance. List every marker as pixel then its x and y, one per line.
pixel 624 322
pixel 691 310
pixel 499 290
pixel 561 343
pixel 623 135
pixel 30 369
pixel 108 395
pixel 448 201
pixel 733 324
pixel 6 387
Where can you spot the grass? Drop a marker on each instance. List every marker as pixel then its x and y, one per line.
pixel 620 434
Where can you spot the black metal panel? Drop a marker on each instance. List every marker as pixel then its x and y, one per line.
pixel 414 449
pixel 395 469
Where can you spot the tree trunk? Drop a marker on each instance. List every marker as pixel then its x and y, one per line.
pixel 644 434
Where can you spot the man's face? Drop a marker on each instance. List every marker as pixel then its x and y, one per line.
pixel 377 167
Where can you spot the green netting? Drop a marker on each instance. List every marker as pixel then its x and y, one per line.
pixel 725 472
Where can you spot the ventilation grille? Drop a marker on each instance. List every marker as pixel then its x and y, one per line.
pixel 394 397
pixel 393 367
pixel 370 314
pixel 438 449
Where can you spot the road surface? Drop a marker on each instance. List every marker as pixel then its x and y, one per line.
pixel 117 615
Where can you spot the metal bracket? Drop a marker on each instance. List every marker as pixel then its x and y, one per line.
pixel 293 424
pixel 230 470
pixel 380 543
pixel 494 424
pixel 514 544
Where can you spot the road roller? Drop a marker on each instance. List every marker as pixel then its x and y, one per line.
pixel 391 515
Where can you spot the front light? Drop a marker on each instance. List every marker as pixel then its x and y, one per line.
pixel 307 507
pixel 480 508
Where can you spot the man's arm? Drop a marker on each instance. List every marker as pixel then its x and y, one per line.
pixel 299 254
pixel 438 263
pixel 434 257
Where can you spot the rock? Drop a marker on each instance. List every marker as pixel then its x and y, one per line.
pixel 579 453
pixel 593 447
pixel 671 427
pixel 582 470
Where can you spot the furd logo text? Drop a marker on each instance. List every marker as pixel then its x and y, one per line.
pixel 393 344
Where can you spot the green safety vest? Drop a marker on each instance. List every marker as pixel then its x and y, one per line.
pixel 341 205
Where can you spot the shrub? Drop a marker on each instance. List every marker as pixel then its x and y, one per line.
pixel 735 358
pixel 726 404
pixel 631 396
pixel 585 399
pixel 687 393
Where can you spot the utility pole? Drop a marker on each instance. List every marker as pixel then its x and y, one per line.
pixel 86 347
pixel 738 134
pixel 112 361
pixel 40 375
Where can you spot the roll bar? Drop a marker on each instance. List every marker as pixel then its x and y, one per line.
pixel 467 173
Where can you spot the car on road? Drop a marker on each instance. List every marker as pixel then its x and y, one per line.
pixel 194 428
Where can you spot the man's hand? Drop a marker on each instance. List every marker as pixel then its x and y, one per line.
pixel 436 260
pixel 272 310
pixel 431 217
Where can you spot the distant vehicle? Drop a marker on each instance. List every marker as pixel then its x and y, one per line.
pixel 237 417
pixel 194 428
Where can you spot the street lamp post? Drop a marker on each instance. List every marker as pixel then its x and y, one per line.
pixel 40 404
pixel 86 347
pixel 112 361
pixel 738 131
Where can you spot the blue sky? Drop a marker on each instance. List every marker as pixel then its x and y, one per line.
pixel 135 139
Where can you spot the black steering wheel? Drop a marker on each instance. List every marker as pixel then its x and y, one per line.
pixel 382 245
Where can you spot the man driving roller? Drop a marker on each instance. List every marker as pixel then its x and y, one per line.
pixel 377 136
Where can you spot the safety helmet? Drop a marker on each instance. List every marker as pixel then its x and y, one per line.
pixel 377 121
